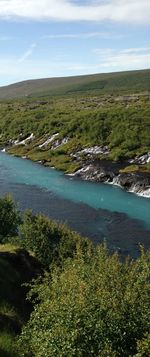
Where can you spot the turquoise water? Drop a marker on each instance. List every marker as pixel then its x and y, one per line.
pixel 96 195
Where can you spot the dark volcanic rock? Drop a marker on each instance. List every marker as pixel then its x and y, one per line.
pixel 100 170
pixel 138 182
pixel 107 171
pixel 94 173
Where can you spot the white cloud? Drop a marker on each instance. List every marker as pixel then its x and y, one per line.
pixel 106 60
pixel 6 38
pixel 136 50
pixel 130 58
pixel 129 11
pixel 83 35
pixel 27 53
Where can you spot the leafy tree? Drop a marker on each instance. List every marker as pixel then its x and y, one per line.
pixel 48 240
pixel 143 347
pixel 9 218
pixel 98 306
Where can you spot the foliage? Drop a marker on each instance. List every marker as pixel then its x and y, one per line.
pixel 7 345
pixel 16 268
pixel 96 306
pixel 88 303
pixel 121 122
pixel 48 240
pixel 9 218
pixel 136 168
pixel 143 346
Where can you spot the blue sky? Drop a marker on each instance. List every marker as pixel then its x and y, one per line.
pixel 51 38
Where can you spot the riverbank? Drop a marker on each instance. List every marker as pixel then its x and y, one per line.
pixel 117 173
pixel 96 210
pixel 133 175
pixel 95 137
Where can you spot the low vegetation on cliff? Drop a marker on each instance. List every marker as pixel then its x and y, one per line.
pixel 53 129
pixel 82 302
pixel 122 126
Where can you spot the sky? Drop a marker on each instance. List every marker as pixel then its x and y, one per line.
pixel 57 38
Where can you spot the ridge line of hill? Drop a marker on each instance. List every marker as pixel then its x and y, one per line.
pixel 103 83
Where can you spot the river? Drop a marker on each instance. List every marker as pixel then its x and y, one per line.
pixel 96 210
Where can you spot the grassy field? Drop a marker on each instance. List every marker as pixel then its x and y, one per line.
pixel 107 83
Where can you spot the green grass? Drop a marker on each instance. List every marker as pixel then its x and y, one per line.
pixel 84 114
pixel 123 127
pixel 105 83
pixel 136 168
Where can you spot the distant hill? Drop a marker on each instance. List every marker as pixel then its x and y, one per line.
pixel 108 83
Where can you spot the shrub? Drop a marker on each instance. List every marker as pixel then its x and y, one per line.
pixel 96 306
pixel 48 240
pixel 9 218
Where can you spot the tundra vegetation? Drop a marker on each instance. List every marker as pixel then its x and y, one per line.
pixel 113 116
pixel 83 300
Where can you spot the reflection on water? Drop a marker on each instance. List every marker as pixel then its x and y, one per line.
pixel 95 210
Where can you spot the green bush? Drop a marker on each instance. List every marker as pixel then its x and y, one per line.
pixel 143 347
pixel 98 306
pixel 40 115
pixel 48 240
pixel 9 218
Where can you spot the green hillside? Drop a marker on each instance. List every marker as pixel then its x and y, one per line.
pixel 106 110
pixel 121 123
pixel 107 83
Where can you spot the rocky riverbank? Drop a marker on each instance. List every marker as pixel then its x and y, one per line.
pixel 109 172
pixel 93 163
